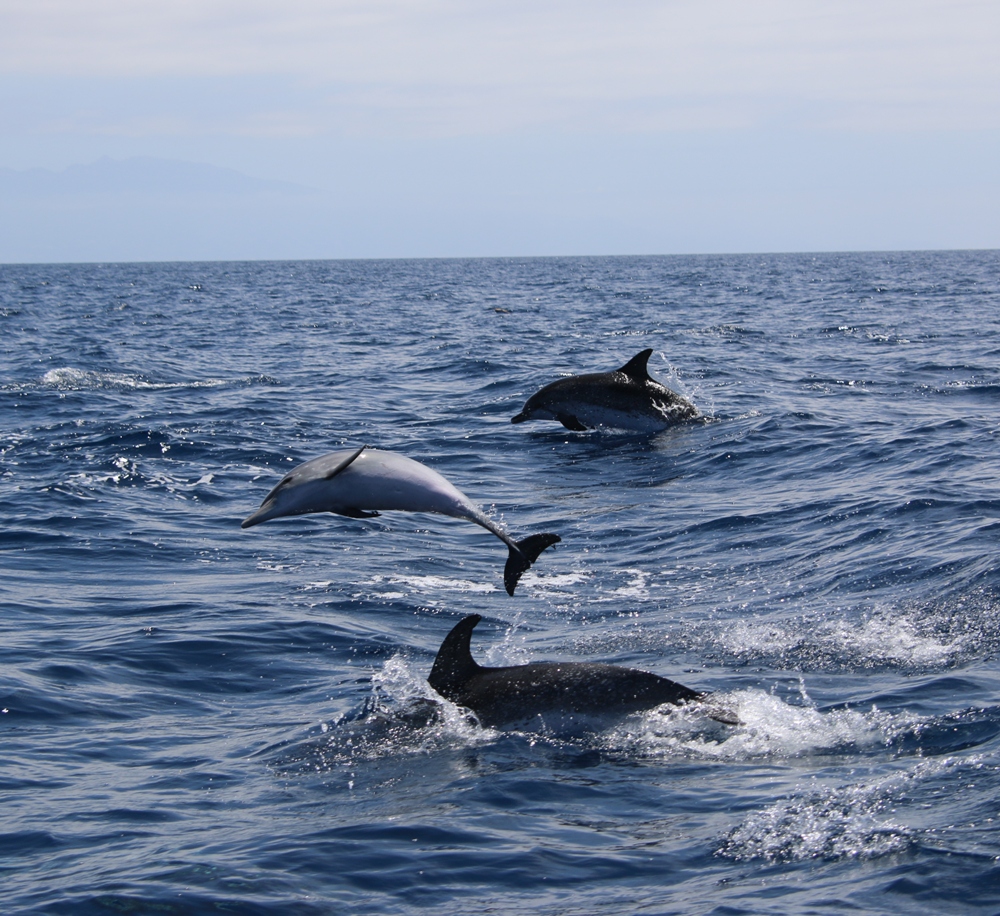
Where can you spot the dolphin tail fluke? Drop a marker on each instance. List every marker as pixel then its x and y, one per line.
pixel 522 555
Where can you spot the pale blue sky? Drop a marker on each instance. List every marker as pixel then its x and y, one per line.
pixel 519 128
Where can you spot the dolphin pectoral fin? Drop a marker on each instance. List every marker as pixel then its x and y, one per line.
pixel 343 465
pixel 636 369
pixel 522 555
pixel 357 513
pixel 571 422
pixel 722 715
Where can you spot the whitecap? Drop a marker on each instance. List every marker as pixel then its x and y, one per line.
pixel 878 638
pixel 444 583
pixel 860 820
pixel 834 823
pixel 72 379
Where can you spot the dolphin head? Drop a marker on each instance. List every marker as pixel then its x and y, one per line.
pixel 282 500
pixel 535 408
pixel 298 493
pixel 311 487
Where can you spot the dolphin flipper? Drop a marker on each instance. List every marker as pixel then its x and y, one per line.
pixel 571 422
pixel 522 555
pixel 343 466
pixel 358 513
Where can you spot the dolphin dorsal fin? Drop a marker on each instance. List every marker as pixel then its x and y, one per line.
pixel 454 664
pixel 344 464
pixel 635 368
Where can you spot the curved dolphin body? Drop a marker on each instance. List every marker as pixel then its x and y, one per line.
pixel 503 695
pixel 358 483
pixel 627 398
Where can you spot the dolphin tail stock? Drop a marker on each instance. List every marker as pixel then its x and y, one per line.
pixel 522 554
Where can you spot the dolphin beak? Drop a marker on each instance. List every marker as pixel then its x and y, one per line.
pixel 520 418
pixel 261 515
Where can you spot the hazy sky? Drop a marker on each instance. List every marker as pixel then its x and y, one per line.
pixel 440 128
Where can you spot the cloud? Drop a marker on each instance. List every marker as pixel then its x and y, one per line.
pixel 437 127
pixel 434 67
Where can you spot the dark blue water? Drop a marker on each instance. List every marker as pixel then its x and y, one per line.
pixel 198 718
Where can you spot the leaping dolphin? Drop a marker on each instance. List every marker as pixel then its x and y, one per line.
pixel 357 483
pixel 627 398
pixel 503 695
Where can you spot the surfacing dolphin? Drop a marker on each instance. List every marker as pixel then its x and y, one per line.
pixel 627 398
pixel 504 695
pixel 359 482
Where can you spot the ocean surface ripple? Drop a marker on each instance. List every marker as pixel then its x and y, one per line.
pixel 197 718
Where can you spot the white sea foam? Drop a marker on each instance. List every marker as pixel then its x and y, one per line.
pixel 553 582
pixel 636 587
pixel 859 820
pixel 767 727
pixel 877 638
pixel 440 583
pixel 401 684
pixel 70 378
pixel 844 822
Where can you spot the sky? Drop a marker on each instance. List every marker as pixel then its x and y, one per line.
pixel 218 129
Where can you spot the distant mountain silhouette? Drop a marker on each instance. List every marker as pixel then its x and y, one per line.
pixel 150 209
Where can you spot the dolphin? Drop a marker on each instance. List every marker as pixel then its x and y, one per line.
pixel 624 399
pixel 502 695
pixel 357 483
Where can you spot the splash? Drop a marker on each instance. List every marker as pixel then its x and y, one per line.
pixel 403 718
pixel 765 727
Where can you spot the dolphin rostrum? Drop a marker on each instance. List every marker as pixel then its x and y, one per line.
pixel 627 398
pixel 359 482
pixel 503 695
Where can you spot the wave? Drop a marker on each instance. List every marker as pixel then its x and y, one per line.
pixel 68 378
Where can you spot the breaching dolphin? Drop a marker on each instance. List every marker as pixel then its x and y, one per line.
pixel 520 692
pixel 624 399
pixel 357 483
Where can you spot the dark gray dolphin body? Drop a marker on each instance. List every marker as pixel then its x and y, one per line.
pixel 627 398
pixel 359 482
pixel 503 695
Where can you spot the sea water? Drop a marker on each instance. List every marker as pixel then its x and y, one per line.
pixel 199 718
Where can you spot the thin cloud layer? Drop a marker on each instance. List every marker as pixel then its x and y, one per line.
pixel 441 66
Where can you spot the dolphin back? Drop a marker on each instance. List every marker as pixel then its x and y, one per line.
pixel 519 692
pixel 454 665
pixel 637 367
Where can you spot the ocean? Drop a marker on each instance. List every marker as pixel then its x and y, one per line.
pixel 198 718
